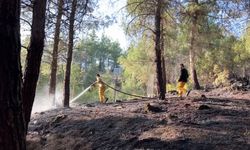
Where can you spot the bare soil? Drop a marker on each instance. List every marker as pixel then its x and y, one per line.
pixel 218 120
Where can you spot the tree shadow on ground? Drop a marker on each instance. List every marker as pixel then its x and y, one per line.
pixel 110 133
pixel 224 101
pixel 220 127
pixel 226 124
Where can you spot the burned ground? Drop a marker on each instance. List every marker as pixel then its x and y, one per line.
pixel 218 121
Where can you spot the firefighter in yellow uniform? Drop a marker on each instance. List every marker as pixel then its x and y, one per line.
pixel 101 89
pixel 182 81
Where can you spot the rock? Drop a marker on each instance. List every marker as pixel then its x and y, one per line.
pixel 203 107
pixel 35 122
pixel 206 88
pixel 187 105
pixel 172 116
pixel 151 108
pixel 58 118
pixel 203 96
pixel 90 105
pixel 173 92
pixel 240 84
pixel 119 107
pixel 43 140
pixel 163 121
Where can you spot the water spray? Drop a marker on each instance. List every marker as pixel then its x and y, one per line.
pixel 84 91
pixel 74 99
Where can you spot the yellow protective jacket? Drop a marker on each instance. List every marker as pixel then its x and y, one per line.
pixel 100 83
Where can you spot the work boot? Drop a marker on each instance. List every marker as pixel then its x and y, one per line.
pixel 106 100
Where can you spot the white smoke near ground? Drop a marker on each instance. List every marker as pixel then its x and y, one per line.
pixel 42 101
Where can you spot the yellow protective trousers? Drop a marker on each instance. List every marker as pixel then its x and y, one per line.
pixel 181 88
pixel 101 94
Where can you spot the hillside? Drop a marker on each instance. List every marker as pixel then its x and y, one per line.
pixel 218 120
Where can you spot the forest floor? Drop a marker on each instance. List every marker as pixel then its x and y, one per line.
pixel 220 121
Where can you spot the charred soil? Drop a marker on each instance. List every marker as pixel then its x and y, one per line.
pixel 218 120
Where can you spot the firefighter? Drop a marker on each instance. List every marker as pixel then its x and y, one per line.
pixel 183 79
pixel 101 89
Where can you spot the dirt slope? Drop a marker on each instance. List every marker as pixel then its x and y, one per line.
pixel 216 121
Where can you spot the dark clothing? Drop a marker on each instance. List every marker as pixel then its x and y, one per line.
pixel 183 76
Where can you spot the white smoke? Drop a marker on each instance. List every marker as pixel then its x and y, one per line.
pixel 42 101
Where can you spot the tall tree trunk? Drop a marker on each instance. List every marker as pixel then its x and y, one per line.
pixel 164 74
pixel 33 60
pixel 158 55
pixel 164 77
pixel 12 124
pixel 193 34
pixel 52 85
pixel 69 57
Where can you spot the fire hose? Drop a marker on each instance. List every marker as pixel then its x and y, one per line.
pixel 124 92
pixel 85 90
